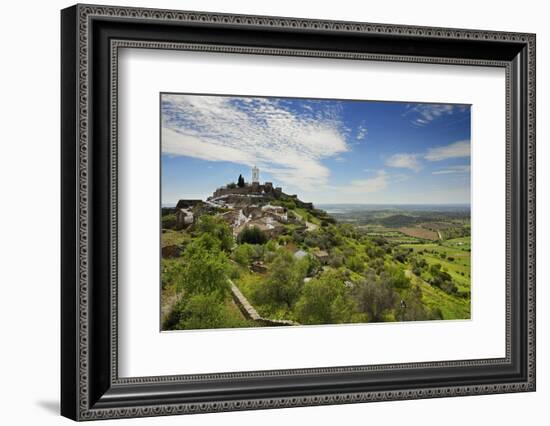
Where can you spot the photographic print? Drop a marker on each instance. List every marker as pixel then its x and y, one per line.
pixel 283 211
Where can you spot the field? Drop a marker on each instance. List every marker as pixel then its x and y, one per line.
pixel 426 235
pixel 454 257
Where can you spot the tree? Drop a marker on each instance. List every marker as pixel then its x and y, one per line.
pixel 324 301
pixel 396 277
pixel 375 297
pixel 218 228
pixel 284 283
pixel 413 308
pixel 240 181
pixel 243 254
pixel 202 311
pixel 355 263
pixel 205 270
pixel 252 235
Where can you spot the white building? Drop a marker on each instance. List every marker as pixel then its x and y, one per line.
pixel 255 175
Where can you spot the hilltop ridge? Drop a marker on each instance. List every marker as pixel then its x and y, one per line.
pixel 244 205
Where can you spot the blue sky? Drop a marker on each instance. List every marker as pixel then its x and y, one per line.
pixel 325 151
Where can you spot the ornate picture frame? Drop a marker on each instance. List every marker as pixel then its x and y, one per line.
pixel 91 37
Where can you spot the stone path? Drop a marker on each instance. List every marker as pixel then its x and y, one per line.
pixel 250 313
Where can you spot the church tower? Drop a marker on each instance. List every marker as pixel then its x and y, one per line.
pixel 255 175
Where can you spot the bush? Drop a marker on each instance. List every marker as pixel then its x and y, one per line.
pixel 252 235
pixel 375 297
pixel 168 221
pixel 324 301
pixel 202 311
pixel 355 264
pixel 243 254
pixel 205 270
pixel 284 282
pixel 218 228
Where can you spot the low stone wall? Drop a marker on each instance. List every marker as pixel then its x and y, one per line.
pixel 250 313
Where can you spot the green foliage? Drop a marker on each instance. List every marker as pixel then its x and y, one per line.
pixel 205 269
pixel 374 296
pixel 442 279
pixel 325 237
pixel 418 265
pixel 217 228
pixel 243 254
pixel 355 263
pixel 401 255
pixel 324 301
pixel 202 311
pixel 168 221
pixel 284 282
pixel 171 270
pixel 313 265
pixel 252 235
pixel 413 309
pixel 271 246
pixel 396 277
pixel 240 182
pixel 288 204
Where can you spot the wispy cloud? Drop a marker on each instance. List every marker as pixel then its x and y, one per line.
pixel 404 161
pixel 423 114
pixel 287 140
pixel 452 170
pixel 413 162
pixel 362 132
pixel 455 150
pixel 373 184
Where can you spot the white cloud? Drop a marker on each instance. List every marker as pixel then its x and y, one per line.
pixel 455 150
pixel 404 161
pixel 423 114
pixel 360 186
pixel 248 131
pixel 374 184
pixel 452 170
pixel 362 132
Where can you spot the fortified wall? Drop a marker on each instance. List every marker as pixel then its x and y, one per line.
pixel 266 190
pixel 249 189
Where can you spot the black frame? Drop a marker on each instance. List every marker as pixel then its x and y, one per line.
pixel 91 37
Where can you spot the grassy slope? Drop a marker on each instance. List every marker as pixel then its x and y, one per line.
pixel 451 307
pixel 461 255
pixel 170 237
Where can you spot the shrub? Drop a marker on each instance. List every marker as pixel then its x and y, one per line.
pixel 202 311
pixel 218 228
pixel 205 270
pixel 375 297
pixel 284 282
pixel 168 221
pixel 324 301
pixel 252 235
pixel 243 254
pixel 355 264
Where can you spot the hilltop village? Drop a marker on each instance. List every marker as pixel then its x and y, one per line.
pixel 251 255
pixel 251 205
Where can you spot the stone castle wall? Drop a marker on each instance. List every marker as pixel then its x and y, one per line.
pixel 251 189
